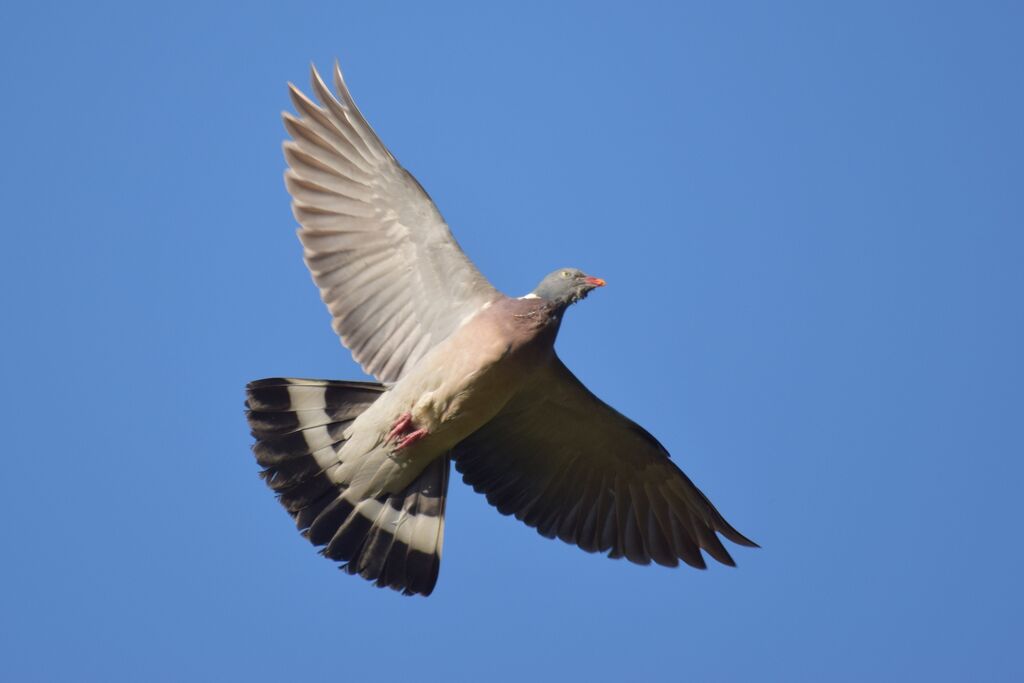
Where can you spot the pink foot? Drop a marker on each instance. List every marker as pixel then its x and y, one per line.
pixel 411 438
pixel 401 426
pixel 405 432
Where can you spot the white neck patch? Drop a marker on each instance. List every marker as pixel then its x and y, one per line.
pixel 470 316
pixel 531 295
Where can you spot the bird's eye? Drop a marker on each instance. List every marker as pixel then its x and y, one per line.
pixel 566 273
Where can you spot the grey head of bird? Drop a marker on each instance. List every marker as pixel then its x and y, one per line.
pixel 566 286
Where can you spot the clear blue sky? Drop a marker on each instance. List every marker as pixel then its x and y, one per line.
pixel 811 220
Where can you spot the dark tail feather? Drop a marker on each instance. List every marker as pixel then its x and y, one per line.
pixel 402 547
pixel 392 539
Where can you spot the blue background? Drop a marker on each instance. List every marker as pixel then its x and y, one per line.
pixel 810 218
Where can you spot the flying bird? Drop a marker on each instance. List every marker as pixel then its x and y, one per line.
pixel 465 374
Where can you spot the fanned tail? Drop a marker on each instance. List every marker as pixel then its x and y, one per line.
pixel 393 539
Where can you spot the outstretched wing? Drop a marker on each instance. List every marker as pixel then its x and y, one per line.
pixel 387 266
pixel 564 462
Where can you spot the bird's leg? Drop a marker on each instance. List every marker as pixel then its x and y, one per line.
pixel 401 426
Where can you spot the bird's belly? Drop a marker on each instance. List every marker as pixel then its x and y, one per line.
pixel 463 382
pixel 470 391
pixel 454 390
pixel 461 407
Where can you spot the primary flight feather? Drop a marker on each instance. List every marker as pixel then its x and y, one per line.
pixel 467 374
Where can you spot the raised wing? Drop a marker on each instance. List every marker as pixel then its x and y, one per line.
pixel 387 266
pixel 564 462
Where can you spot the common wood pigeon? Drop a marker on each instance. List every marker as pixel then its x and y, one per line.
pixel 465 374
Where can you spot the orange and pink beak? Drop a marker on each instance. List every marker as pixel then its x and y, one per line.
pixel 595 281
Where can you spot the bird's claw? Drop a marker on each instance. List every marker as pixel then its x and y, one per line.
pixel 403 428
pixel 411 438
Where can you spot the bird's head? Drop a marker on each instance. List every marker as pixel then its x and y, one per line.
pixel 566 286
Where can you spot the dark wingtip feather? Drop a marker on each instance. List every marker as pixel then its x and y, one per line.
pixel 694 559
pixel 739 539
pixel 727 530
